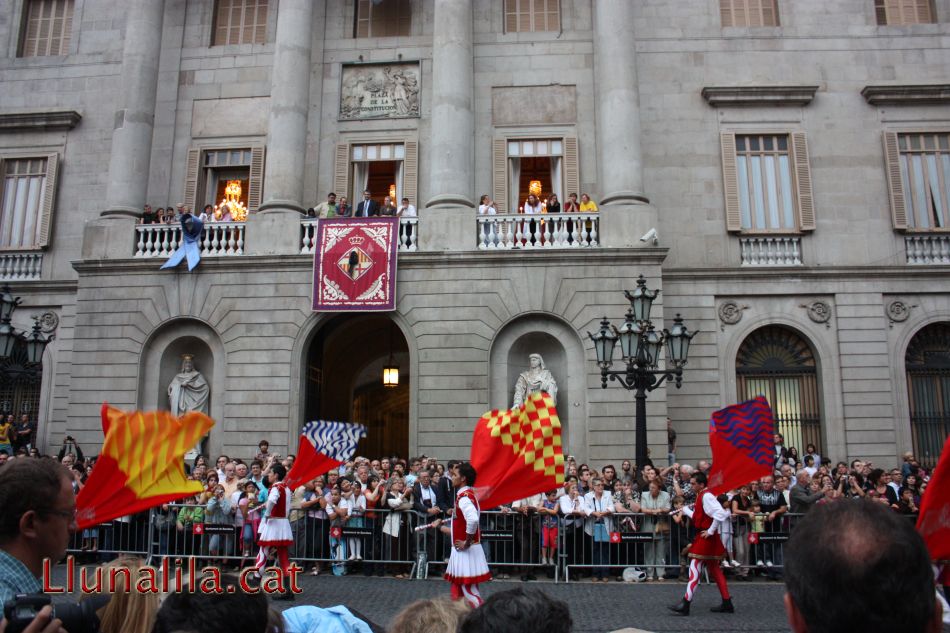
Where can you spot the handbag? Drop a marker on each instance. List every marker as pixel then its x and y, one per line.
pixel 601 535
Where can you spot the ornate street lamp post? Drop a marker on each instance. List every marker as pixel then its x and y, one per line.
pixel 34 341
pixel 640 348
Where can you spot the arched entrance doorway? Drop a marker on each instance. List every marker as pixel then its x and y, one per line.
pixel 778 363
pixel 928 384
pixel 344 380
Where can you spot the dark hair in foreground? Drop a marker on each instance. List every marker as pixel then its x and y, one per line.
pixel 700 477
pixel 468 471
pixel 201 612
pixel 25 485
pixel 859 566
pixel 519 611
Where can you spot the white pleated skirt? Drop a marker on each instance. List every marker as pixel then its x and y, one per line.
pixel 275 533
pixel 468 567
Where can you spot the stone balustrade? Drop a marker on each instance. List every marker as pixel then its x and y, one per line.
pixel 218 239
pixel 771 251
pixel 20 266
pixel 547 231
pixel 408 235
pixel 927 249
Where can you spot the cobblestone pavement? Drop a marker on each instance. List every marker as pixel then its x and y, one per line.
pixel 595 608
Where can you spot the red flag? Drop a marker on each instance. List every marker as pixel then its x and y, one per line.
pixel 141 464
pixel 517 453
pixel 741 438
pixel 934 520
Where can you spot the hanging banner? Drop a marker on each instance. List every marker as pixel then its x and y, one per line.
pixel 354 265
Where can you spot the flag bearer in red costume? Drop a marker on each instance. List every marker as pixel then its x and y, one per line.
pixel 467 565
pixel 707 549
pixel 274 532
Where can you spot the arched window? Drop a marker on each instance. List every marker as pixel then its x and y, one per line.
pixel 20 385
pixel 928 384
pixel 779 364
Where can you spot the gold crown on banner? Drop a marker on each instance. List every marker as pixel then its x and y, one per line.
pixel 357 240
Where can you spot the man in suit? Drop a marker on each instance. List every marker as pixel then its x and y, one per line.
pixel 367 206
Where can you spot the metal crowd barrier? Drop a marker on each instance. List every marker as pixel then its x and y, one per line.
pixel 384 542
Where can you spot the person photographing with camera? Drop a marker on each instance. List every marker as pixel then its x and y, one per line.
pixel 38 519
pixel 70 447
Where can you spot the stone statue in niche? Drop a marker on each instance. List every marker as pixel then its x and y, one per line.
pixel 537 378
pixel 188 390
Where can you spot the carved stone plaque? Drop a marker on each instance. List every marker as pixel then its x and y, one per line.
pixel 898 311
pixel 730 312
pixel 818 311
pixel 380 91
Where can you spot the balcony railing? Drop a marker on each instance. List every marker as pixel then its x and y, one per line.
pixel 927 249
pixel 408 235
pixel 20 266
pixel 218 239
pixel 555 230
pixel 771 251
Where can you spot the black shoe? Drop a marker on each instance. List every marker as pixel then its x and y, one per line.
pixel 682 608
pixel 725 607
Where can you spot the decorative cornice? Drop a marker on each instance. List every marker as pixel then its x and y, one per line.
pixel 923 94
pixel 758 96
pixel 39 120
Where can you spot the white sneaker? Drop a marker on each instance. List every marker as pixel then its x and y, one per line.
pixel 759 563
pixel 768 563
pixel 736 563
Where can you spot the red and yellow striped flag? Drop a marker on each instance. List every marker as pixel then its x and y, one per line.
pixel 517 453
pixel 141 464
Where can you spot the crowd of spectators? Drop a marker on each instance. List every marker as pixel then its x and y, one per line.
pixel 387 498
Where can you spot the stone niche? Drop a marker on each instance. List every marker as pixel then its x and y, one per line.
pixel 534 105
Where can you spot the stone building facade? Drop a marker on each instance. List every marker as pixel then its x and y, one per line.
pixel 791 156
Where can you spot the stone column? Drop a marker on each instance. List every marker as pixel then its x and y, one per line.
pixel 275 228
pixel 626 211
pixel 289 105
pixel 134 118
pixel 448 222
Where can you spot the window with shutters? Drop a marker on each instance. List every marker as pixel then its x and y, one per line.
pixel 382 18
pixel 898 12
pixel 921 193
pixel 767 183
pixel 26 201
pixel 748 12
pixel 239 22
pixel 47 25
pixel 209 171
pixel 517 163
pixel 383 169
pixel 525 16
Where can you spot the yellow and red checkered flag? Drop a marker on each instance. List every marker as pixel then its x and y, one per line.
pixel 141 464
pixel 517 453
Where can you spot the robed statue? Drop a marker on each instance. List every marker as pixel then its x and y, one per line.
pixel 188 390
pixel 537 378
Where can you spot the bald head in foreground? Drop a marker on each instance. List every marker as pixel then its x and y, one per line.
pixel 859 566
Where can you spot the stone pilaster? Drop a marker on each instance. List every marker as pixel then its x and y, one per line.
pixel 627 213
pixel 290 102
pixel 448 220
pixel 134 119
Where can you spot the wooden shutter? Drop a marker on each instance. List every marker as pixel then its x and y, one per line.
pixel 410 174
pixel 499 165
pixel 49 200
pixel 192 167
pixel 572 180
pixel 341 172
pixel 895 183
pixel 255 185
pixel 806 201
pixel 730 181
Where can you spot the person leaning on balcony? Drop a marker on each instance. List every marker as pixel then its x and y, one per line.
pixel 148 216
pixel 552 204
pixel 571 206
pixel 406 210
pixel 486 206
pixel 588 205
pixel 343 208
pixel 327 209
pixel 388 209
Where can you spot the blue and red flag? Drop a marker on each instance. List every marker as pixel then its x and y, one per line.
pixel 741 438
pixel 323 446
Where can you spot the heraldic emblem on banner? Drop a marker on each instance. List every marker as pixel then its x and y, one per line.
pixel 354 266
